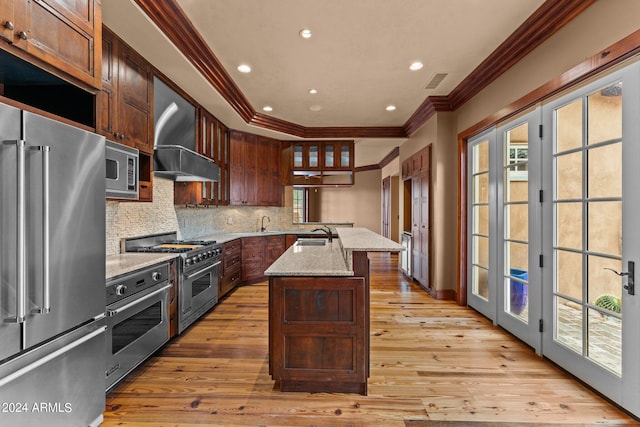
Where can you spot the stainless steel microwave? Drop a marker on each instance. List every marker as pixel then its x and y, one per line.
pixel 122 171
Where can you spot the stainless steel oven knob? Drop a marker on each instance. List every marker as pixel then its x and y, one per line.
pixel 121 290
pixel 156 276
pixel 188 261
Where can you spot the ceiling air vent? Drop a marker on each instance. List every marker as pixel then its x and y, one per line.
pixel 435 80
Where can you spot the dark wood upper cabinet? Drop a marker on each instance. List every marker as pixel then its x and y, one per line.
pixel 254 166
pixel 212 140
pixel 125 112
pixel 63 34
pixel 321 163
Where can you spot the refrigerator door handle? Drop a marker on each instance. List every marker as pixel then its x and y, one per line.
pixel 21 284
pixel 46 281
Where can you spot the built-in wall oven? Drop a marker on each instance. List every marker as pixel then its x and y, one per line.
pixel 198 271
pixel 137 319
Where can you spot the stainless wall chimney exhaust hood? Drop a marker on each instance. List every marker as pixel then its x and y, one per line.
pixel 175 155
pixel 181 164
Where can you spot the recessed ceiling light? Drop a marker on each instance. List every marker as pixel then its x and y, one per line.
pixel 244 68
pixel 315 108
pixel 305 33
pixel 313 91
pixel 267 108
pixel 416 66
pixel 391 107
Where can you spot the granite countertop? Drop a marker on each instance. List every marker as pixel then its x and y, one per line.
pixel 334 259
pixel 327 260
pixel 117 265
pixel 226 237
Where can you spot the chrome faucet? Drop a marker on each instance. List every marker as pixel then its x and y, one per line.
pixel 327 230
pixel 263 228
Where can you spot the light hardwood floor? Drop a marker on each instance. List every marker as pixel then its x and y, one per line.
pixel 433 363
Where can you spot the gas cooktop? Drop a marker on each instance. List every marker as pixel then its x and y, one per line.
pixel 174 246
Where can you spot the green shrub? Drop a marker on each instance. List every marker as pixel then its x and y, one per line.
pixel 610 302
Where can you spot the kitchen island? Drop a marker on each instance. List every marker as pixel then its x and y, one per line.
pixel 319 312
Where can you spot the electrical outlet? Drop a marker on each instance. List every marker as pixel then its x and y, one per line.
pixel 229 220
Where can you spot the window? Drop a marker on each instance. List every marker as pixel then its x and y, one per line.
pixel 518 157
pixel 299 204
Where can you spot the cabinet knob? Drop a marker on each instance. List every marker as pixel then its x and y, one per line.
pixel 22 35
pixel 8 25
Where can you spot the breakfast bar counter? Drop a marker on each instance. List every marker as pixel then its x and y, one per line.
pixel 319 313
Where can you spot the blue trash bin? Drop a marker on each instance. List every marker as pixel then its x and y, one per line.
pixel 518 290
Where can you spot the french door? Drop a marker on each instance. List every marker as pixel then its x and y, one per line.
pixel 591 234
pixel 504 223
pixel 482 224
pixel 519 212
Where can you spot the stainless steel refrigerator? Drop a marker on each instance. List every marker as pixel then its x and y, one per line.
pixel 52 263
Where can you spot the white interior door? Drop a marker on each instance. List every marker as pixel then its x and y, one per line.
pixel 591 154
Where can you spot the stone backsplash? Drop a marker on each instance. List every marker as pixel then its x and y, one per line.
pixel 129 219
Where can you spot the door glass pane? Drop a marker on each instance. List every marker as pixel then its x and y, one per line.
pixel 516 295
pixel 569 176
pixel 605 114
pixel 481 251
pixel 517 255
pixel 569 126
pixel 569 225
pixel 605 227
pixel 480 282
pixel 568 324
pixel 569 274
pixel 481 157
pixel 605 171
pixel 481 219
pixel 605 340
pixel 481 188
pixel 603 282
pixel 517 226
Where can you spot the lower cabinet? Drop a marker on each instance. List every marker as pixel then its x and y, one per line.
pixel 318 333
pixel 258 253
pixel 231 272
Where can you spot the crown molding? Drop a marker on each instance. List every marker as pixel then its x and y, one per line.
pixel 542 24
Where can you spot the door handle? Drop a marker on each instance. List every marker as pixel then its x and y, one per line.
pixel 631 277
pixel 21 284
pixel 46 278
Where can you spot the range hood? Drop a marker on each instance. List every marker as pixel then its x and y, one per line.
pixel 174 139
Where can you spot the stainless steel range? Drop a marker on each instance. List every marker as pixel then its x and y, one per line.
pixel 197 271
pixel 137 319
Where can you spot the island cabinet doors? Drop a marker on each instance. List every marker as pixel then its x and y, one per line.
pixel 318 333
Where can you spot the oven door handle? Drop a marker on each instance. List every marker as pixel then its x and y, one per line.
pixel 199 272
pixel 111 313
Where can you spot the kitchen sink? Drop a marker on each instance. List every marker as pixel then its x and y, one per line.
pixel 311 242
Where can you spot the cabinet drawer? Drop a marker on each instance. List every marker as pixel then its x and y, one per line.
pixel 229 281
pixel 230 262
pixel 233 247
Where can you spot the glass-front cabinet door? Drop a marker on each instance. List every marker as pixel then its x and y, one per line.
pixel 307 156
